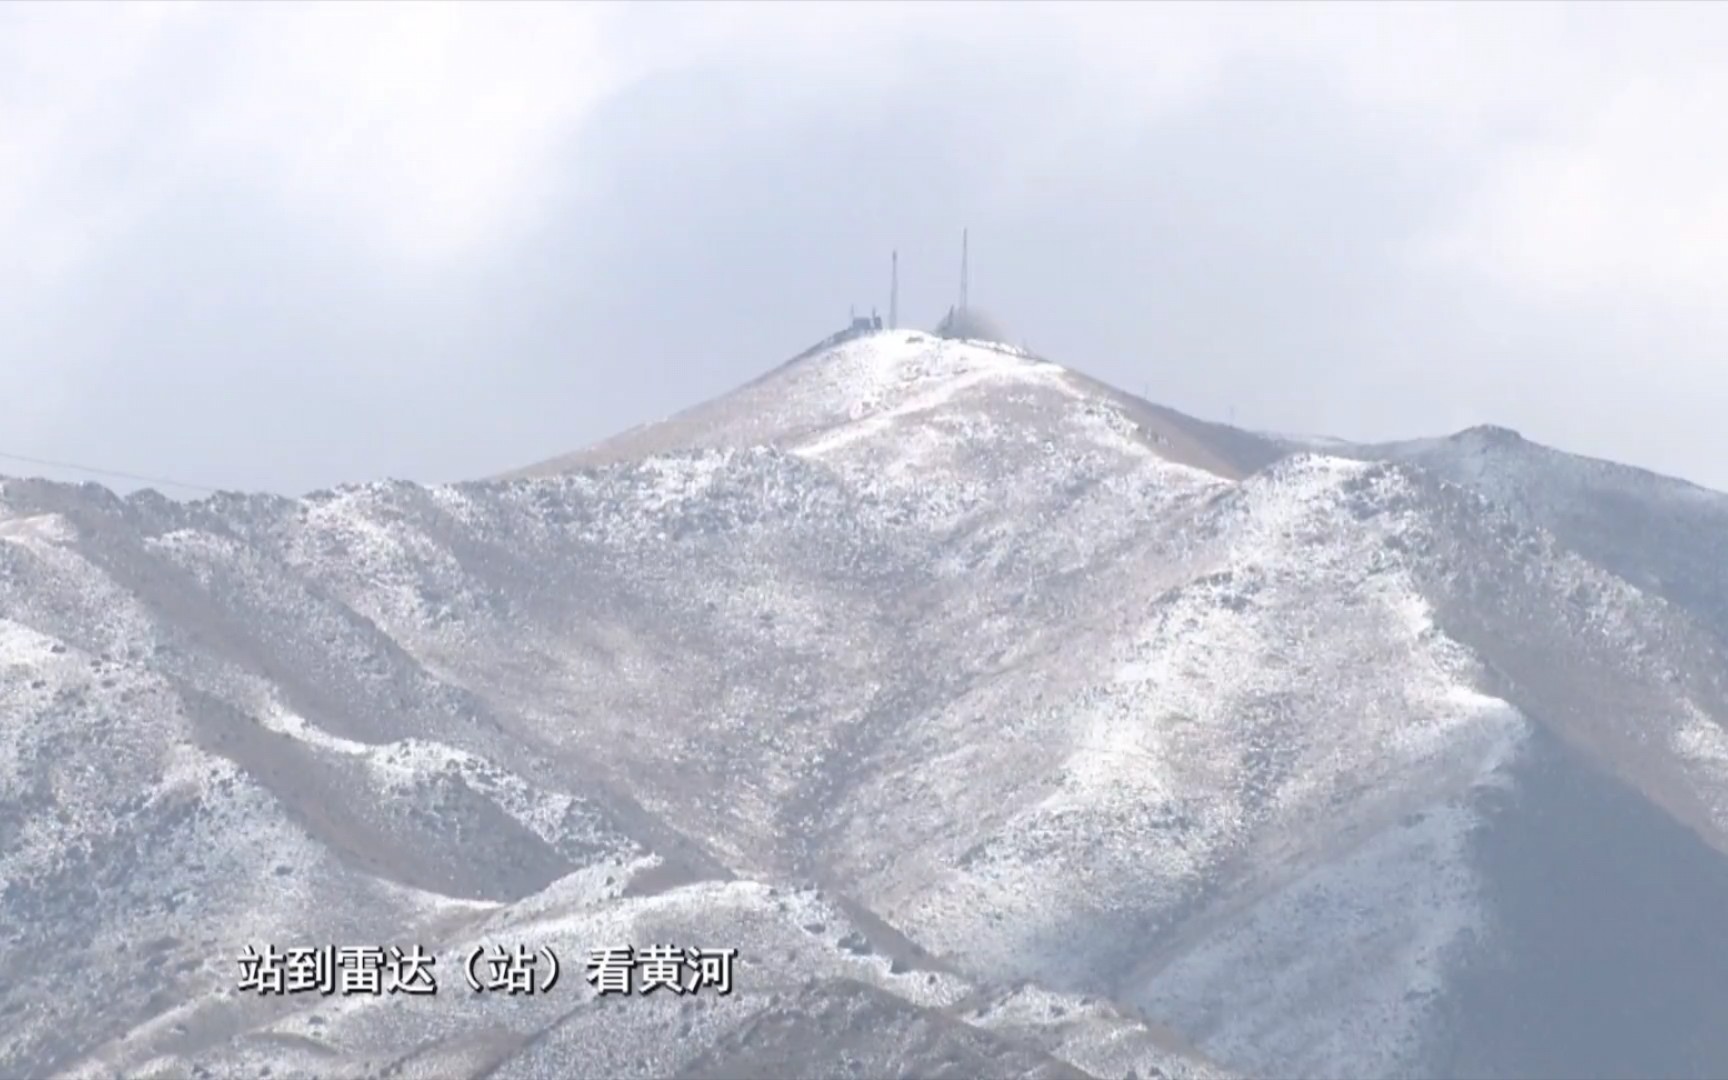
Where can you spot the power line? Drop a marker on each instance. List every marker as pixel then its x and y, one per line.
pixel 114 473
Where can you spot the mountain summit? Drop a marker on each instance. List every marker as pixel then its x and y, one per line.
pixel 906 393
pixel 1004 724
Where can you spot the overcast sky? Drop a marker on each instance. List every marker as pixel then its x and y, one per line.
pixel 281 247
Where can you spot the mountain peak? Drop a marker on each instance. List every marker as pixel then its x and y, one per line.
pixel 899 398
pixel 1334 773
pixel 1492 434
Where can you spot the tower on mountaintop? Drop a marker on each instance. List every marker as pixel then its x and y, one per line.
pixel 962 321
pixel 963 261
pixel 894 291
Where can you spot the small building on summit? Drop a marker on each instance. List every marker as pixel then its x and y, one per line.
pixel 857 326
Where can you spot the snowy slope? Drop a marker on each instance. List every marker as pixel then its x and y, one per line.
pixel 1006 724
pixel 924 388
pixel 1665 536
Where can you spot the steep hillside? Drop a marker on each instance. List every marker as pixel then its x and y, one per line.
pixel 1004 723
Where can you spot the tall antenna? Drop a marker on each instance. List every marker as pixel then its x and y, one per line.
pixel 962 271
pixel 894 292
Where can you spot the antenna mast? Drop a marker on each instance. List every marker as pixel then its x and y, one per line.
pixel 894 292
pixel 962 271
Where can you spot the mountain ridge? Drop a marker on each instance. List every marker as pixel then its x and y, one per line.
pixel 981 706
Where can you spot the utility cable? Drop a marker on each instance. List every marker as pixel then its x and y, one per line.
pixel 114 473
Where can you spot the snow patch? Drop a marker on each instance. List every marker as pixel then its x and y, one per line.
pixel 37 530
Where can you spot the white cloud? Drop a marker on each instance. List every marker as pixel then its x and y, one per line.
pixel 60 69
pixel 1630 204
pixel 426 128
pixel 1598 174
pixel 1581 179
pixel 435 128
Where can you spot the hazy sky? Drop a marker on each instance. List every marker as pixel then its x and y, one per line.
pixel 285 246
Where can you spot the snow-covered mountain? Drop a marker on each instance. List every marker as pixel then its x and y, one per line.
pixel 1666 537
pixel 1004 723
